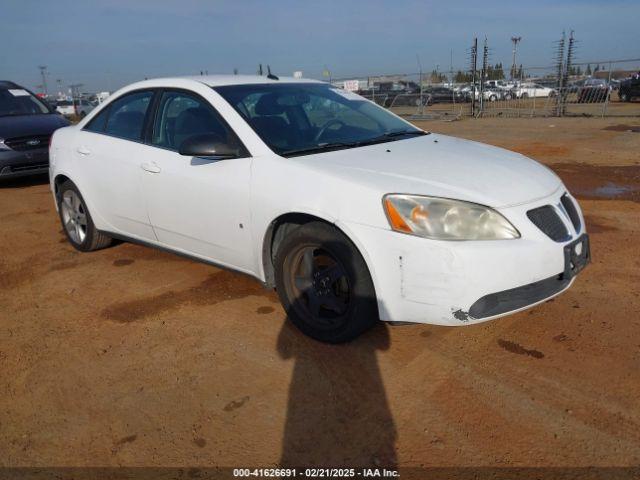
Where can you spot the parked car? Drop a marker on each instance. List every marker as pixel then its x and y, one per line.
pixel 629 89
pixel 442 95
pixel 352 213
pixel 26 125
pixel 70 108
pixel 530 90
pixel 494 94
pixel 594 90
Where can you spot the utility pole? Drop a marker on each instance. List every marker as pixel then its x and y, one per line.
pixel 421 89
pixel 474 68
pixel 43 72
pixel 515 41
pixel 560 64
pixel 483 73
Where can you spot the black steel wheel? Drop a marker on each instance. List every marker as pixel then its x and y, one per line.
pixel 324 284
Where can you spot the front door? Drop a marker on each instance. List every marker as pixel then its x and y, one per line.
pixel 198 205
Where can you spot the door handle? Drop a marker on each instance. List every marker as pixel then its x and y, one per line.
pixel 150 167
pixel 83 151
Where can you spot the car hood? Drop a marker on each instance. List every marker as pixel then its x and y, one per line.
pixel 25 125
pixel 441 166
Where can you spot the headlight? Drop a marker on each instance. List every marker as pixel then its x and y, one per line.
pixel 3 146
pixel 445 219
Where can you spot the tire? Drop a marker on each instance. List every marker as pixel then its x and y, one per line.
pixel 324 284
pixel 624 97
pixel 76 220
pixel 493 98
pixel 524 95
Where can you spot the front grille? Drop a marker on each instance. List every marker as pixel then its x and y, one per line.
pixel 572 211
pixel 32 142
pixel 547 219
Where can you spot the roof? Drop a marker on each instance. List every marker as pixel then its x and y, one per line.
pixel 219 80
pixel 8 84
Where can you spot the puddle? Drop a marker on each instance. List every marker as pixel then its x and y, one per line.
pixel 623 128
pixel 601 182
pixel 612 190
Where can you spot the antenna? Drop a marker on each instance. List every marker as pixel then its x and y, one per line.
pixel 270 75
pixel 260 69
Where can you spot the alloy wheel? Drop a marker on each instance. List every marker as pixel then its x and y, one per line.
pixel 74 216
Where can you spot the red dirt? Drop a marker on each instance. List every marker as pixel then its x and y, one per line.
pixel 136 357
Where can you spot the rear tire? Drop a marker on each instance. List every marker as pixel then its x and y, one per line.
pixel 624 97
pixel 324 284
pixel 76 220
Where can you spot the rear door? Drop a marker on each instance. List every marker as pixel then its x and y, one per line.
pixel 111 155
pixel 198 205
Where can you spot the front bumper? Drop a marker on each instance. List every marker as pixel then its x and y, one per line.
pixel 20 163
pixel 459 283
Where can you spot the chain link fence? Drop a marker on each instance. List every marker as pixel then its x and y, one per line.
pixel 608 88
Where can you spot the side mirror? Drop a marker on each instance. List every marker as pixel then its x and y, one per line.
pixel 207 146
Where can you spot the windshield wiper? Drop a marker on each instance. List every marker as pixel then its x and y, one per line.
pixel 390 135
pixel 323 147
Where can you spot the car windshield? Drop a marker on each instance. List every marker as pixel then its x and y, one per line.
pixel 17 101
pixel 303 118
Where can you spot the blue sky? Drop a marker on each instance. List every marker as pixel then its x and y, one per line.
pixel 108 43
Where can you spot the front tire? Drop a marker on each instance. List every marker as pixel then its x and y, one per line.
pixel 624 97
pixel 324 284
pixel 76 220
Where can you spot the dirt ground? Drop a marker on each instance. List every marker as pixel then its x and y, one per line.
pixel 134 357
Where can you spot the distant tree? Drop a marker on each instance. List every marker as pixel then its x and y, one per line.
pixel 462 77
pixel 596 69
pixel 519 73
pixel 437 77
pixel 588 70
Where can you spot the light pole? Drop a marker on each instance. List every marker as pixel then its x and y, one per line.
pixel 43 72
pixel 515 41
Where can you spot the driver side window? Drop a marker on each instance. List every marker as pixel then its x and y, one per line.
pixel 182 115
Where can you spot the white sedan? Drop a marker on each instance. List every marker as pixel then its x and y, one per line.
pixel 70 108
pixel 533 90
pixel 350 212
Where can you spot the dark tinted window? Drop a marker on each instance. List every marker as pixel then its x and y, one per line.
pixel 98 122
pixel 301 116
pixel 17 101
pixel 182 115
pixel 126 115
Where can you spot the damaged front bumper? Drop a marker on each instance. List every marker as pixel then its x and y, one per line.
pixel 460 283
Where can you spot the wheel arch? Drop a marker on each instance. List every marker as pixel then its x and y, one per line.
pixel 58 180
pixel 285 223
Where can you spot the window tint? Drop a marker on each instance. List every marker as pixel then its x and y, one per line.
pixel 293 117
pixel 18 101
pixel 98 122
pixel 126 115
pixel 182 115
